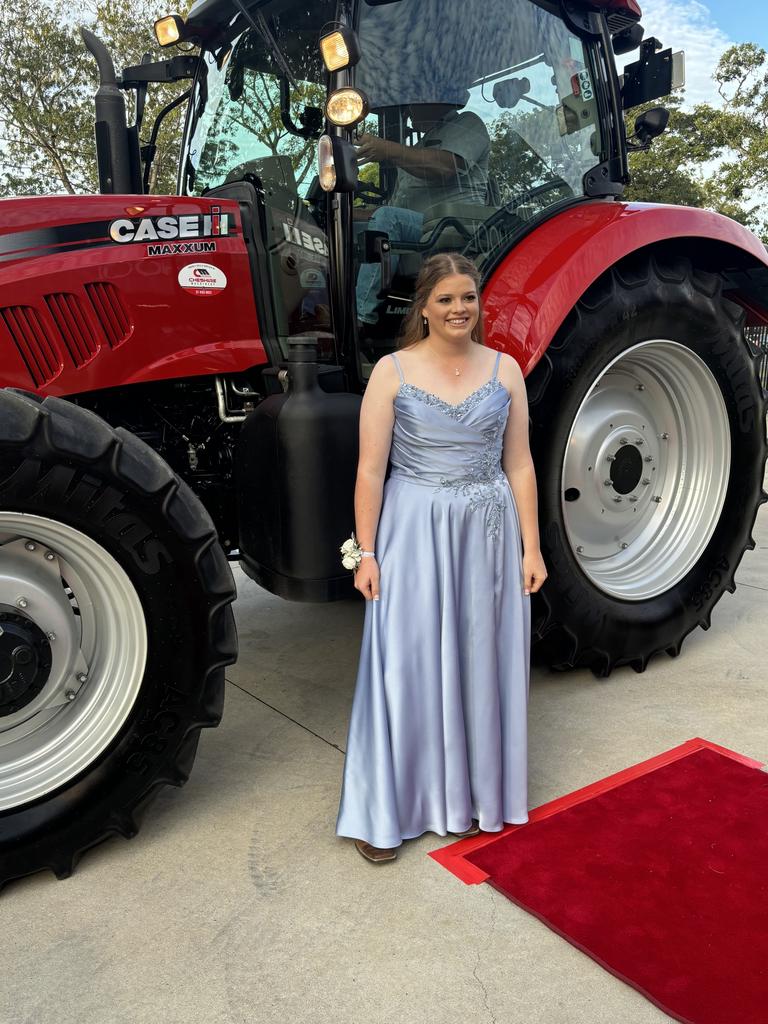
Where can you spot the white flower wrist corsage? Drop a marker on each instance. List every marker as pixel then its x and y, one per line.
pixel 352 554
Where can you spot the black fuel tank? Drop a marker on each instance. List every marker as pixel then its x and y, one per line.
pixel 297 465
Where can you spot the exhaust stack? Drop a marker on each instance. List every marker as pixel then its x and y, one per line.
pixel 115 153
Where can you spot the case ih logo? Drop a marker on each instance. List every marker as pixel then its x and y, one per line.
pixel 165 229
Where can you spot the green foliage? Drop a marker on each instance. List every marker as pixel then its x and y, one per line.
pixel 713 157
pixel 47 83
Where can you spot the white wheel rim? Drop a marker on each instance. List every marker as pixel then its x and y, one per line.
pixel 98 632
pixel 655 414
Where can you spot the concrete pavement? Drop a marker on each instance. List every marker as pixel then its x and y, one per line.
pixel 238 903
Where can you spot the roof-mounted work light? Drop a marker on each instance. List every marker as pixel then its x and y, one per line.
pixel 346 107
pixel 340 49
pixel 169 30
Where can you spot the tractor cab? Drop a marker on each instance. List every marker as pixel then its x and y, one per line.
pixel 455 125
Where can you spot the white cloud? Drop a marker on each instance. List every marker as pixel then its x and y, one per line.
pixel 687 25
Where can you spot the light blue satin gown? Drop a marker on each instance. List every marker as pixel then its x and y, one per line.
pixel 438 729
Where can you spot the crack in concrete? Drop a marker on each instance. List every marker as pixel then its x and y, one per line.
pixel 494 911
pixel 279 712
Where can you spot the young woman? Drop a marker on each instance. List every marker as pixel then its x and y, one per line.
pixel 437 737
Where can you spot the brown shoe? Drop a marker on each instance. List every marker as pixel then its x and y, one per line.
pixel 473 830
pixel 375 854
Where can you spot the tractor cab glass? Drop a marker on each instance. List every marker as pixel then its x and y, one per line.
pixel 256 113
pixel 484 115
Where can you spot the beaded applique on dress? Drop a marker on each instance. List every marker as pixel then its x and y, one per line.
pixel 485 483
pixel 457 411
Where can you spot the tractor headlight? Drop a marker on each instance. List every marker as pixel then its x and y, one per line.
pixel 346 107
pixel 340 49
pixel 169 30
pixel 336 164
pixel 326 168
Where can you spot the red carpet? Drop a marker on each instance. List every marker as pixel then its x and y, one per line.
pixel 659 873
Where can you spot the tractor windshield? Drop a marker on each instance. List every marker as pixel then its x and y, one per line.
pixel 484 115
pixel 260 99
pixel 255 115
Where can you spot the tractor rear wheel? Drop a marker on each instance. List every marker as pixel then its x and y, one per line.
pixel 648 435
pixel 115 627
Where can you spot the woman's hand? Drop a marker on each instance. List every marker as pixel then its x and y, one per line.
pixel 367 578
pixel 534 571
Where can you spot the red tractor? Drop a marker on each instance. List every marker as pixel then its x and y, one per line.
pixel 182 374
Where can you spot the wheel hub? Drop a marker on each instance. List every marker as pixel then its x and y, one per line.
pixel 626 469
pixel 25 661
pixel 646 469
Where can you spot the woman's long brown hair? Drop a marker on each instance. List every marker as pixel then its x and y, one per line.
pixel 433 270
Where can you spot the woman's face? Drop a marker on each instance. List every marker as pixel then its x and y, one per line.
pixel 453 307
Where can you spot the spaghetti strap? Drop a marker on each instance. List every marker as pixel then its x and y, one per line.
pixel 399 368
pixel 496 365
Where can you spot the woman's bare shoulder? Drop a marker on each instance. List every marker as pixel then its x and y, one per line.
pixel 384 379
pixel 511 374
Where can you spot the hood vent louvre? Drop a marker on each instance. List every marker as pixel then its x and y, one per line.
pixel 38 351
pixel 110 312
pixel 68 315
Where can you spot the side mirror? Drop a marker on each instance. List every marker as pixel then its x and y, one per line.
pixel 508 93
pixel 650 124
pixel 655 73
pixel 628 39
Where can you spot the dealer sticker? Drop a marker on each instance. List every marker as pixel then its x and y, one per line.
pixel 202 279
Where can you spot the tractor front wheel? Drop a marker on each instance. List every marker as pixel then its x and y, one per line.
pixel 115 627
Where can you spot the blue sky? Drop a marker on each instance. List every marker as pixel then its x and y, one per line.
pixel 704 29
pixel 743 20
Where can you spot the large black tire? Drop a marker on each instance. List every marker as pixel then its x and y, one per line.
pixel 576 623
pixel 66 466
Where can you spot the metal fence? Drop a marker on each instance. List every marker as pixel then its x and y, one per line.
pixel 759 337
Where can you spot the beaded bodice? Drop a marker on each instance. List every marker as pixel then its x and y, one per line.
pixel 455 446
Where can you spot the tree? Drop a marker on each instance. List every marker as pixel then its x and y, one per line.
pixel 709 156
pixel 47 83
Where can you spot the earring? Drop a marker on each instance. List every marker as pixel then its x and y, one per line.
pixel 425 326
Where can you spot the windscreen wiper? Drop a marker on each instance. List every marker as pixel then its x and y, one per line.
pixel 259 22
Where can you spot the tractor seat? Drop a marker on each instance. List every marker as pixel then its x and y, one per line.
pixel 470 215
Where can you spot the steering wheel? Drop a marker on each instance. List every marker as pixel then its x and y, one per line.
pixel 371 193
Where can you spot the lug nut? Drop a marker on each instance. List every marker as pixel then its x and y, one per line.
pixel 647 458
pixel 608 483
pixel 49 555
pixel 656 497
pixel 623 440
pixel 70 694
pixel 623 545
pixel 639 387
pixel 638 440
pixel 82 677
pixel 610 458
pixel 665 437
pixel 22 602
pixel 617 500
pixel 51 636
pixel 30 546
pixel 632 498
pixel 580 549
pixel 645 480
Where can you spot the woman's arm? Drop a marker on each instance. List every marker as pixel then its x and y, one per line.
pixel 376 422
pixel 516 457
